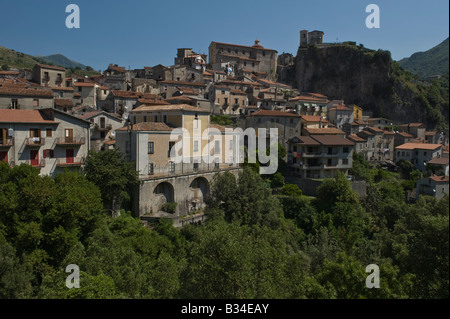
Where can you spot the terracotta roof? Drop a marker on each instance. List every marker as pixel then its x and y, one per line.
pixel 24 116
pixel 411 125
pixel 313 118
pixel 183 83
pixel 86 84
pixel 52 67
pixel 62 88
pixel 14 91
pixel 186 90
pixel 242 46
pixel 374 129
pixel 318 95
pixel 148 126
pixel 126 94
pixel 116 68
pixel 355 138
pixel 440 179
pixel 152 102
pixel 324 131
pixel 439 161
pixel 179 98
pixel 273 113
pixel 420 146
pixel 430 133
pixel 238 92
pixel 63 102
pixel 404 134
pixel 306 140
pixel 9 73
pixel 332 140
pixel 90 114
pixel 169 107
pixel 307 98
pixel 341 108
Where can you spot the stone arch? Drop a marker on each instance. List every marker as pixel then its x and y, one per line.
pixel 199 190
pixel 165 191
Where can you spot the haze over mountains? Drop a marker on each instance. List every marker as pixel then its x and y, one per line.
pixel 61 60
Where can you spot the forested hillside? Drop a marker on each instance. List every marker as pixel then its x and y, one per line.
pixel 258 242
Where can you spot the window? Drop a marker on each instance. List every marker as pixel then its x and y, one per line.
pixel 424 153
pixel 216 163
pixel 151 169
pixel 345 150
pixel 155 118
pixel 49 132
pixel 151 147
pixel 171 167
pixel 61 94
pixel 245 63
pixel 165 118
pixel 264 53
pixel 145 118
pixel 102 134
pixel 49 153
pixel 195 167
pixel 171 146
pixel 216 147
pixel 195 146
pixel 231 146
pixel 80 89
pixel 291 121
pixel 345 161
pixel 14 104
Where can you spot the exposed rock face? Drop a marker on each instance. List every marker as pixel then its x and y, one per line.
pixel 358 76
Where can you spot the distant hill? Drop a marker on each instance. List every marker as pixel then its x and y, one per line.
pixel 61 60
pixel 431 62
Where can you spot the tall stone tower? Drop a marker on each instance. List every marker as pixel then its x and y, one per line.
pixel 303 38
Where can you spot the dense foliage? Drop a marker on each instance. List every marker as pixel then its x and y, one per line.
pixel 256 243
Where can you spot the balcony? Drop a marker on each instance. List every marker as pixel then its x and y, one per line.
pixel 45 79
pixel 36 163
pixel 8 142
pixel 331 154
pixel 312 154
pixel 65 162
pixel 103 127
pixel 70 141
pixel 34 141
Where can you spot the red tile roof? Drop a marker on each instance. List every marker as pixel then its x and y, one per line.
pixel 52 67
pixel 440 179
pixel 356 138
pixel 242 46
pixel 24 116
pixel 420 146
pixel 86 84
pixel 439 160
pixel 14 91
pixel 148 126
pixel 313 118
pixel 63 102
pixel 324 131
pixel 169 107
pixel 332 140
pixel 183 83
pixel 61 88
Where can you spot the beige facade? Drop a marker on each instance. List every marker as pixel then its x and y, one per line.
pixel 319 156
pixel 48 75
pixel 47 139
pixel 254 58
pixel 25 98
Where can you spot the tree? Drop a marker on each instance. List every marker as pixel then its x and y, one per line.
pixel 113 175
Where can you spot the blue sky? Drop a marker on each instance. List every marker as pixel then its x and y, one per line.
pixel 138 33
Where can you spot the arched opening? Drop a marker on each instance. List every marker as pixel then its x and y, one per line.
pixel 199 189
pixel 164 198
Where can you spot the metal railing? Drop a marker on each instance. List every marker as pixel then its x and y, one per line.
pixel 70 140
pixel 34 141
pixel 7 142
pixel 40 163
pixel 73 162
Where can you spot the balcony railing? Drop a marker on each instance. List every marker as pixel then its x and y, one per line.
pixel 70 141
pixel 45 78
pixel 103 128
pixel 38 163
pixel 34 141
pixel 65 162
pixel 7 142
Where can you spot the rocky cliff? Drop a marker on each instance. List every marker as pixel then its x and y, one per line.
pixel 367 78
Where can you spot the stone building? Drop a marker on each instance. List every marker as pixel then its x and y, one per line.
pixel 203 150
pixel 103 127
pixel 48 75
pixel 418 153
pixel 25 98
pixel 436 186
pixel 47 139
pixel 319 156
pixel 234 57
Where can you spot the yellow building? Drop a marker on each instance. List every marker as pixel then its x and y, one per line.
pixel 357 113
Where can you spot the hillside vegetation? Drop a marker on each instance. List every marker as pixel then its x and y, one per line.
pixel 372 80
pixel 428 63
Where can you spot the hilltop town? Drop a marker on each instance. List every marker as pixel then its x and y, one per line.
pixel 51 121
